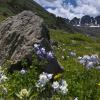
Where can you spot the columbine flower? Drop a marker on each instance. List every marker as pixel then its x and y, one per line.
pixel 23 71
pixel 43 50
pixel 55 85
pixel 50 54
pixel 43 79
pixel 63 57
pixel 4 90
pixel 3 78
pixel 86 57
pixel 89 65
pixel 24 93
pixel 49 76
pixel 98 67
pixel 82 61
pixel 98 84
pixel 72 54
pixel 63 49
pixel 63 87
pixel 36 45
pixel 76 98
pixel 89 61
pixel 63 82
pixel 79 58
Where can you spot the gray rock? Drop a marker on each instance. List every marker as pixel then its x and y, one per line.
pixel 19 33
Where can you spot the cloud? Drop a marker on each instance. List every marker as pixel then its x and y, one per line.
pixel 68 10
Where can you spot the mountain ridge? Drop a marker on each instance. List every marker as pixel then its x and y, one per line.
pixel 12 7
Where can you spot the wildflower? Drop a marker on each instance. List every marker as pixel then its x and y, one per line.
pixel 63 87
pixel 76 98
pixel 90 61
pixel 82 61
pixel 63 57
pixel 57 76
pixel 23 71
pixel 63 82
pixel 36 45
pixel 86 57
pixel 63 49
pixel 55 85
pixel 98 67
pixel 3 78
pixel 79 58
pixel 50 54
pixel 98 84
pixel 43 50
pixel 89 65
pixel 43 79
pixel 24 93
pixel 49 76
pixel 4 90
pixel 72 54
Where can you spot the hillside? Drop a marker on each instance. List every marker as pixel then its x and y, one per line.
pixel 92 31
pixel 83 82
pixel 40 63
pixel 12 7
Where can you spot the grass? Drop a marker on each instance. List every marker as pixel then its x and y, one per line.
pixel 82 82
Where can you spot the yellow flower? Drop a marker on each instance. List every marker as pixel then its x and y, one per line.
pixel 24 93
pixel 58 76
pixel 98 84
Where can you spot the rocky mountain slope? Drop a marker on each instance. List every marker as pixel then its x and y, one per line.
pixel 86 21
pixel 12 7
pixel 87 25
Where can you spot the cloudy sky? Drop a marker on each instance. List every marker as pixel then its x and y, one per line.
pixel 71 8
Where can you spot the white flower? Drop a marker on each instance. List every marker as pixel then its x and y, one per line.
pixel 4 90
pixel 55 85
pixel 79 58
pixel 76 98
pixel 50 54
pixel 43 79
pixel 43 50
pixel 86 57
pixel 90 65
pixel 39 84
pixel 38 52
pixel 3 78
pixel 49 76
pixel 72 54
pixel 63 82
pixel 63 57
pixel 82 61
pixel 63 49
pixel 98 67
pixel 36 45
pixel 23 71
pixel 63 89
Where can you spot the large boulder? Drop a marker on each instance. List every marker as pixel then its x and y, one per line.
pixel 19 33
